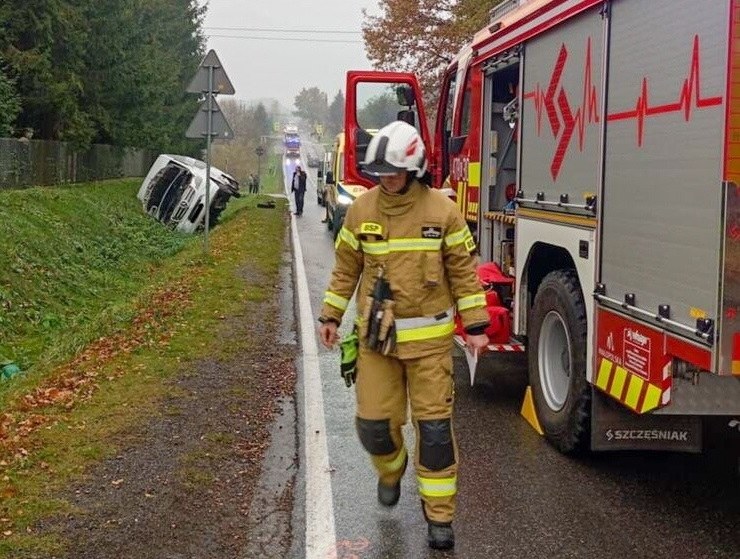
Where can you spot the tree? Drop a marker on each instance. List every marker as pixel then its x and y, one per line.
pixel 141 58
pixel 432 33
pixel 48 72
pixel 377 111
pixel 274 114
pixel 261 120
pixel 10 104
pixel 250 123
pixel 312 105
pixel 110 71
pixel 335 122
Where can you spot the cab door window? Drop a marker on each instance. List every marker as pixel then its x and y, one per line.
pixel 447 121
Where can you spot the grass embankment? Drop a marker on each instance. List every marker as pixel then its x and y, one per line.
pixel 71 258
pixel 100 305
pixel 272 178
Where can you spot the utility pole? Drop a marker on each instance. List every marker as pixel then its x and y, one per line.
pixel 209 135
pixel 259 151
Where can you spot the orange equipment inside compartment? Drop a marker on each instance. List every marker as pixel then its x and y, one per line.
pixel 496 286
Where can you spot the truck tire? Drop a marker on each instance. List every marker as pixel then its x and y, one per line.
pixel 557 361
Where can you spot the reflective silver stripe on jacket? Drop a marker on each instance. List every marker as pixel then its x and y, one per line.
pixel 423 321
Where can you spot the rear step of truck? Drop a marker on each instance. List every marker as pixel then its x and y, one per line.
pixel 513 345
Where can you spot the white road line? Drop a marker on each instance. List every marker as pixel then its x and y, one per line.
pixel 320 532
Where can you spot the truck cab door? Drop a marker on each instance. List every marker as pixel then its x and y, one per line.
pixel 444 128
pixel 374 99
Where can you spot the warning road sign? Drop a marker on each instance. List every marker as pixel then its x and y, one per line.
pixel 221 82
pixel 219 126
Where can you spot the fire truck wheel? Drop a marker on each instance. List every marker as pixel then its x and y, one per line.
pixel 557 361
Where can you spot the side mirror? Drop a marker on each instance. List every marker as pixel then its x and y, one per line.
pixel 405 96
pixel 455 144
pixel 362 141
pixel 319 174
pixel 329 177
pixel 408 117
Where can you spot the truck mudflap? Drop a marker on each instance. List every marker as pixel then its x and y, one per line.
pixel 614 427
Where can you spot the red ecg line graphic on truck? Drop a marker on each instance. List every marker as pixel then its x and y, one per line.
pixel 563 119
pixel 571 119
pixel 690 94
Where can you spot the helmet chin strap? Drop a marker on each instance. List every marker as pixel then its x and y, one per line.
pixel 409 179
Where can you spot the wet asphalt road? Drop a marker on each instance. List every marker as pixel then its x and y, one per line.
pixel 518 497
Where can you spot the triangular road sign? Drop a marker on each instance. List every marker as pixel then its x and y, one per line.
pixel 221 82
pixel 220 127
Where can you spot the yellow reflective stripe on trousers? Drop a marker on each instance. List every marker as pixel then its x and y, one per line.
pixel 336 300
pixel 348 237
pixel 437 487
pixel 458 238
pixel 471 301
pixel 392 466
pixel 400 245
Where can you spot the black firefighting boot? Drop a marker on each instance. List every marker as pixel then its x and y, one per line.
pixel 440 535
pixel 388 495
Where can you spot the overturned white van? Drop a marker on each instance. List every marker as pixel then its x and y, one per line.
pixel 174 192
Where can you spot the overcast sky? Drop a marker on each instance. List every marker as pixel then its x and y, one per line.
pixel 267 65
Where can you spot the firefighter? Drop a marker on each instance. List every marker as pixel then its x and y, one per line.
pixel 416 240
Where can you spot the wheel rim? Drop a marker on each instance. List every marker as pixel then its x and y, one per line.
pixel 554 353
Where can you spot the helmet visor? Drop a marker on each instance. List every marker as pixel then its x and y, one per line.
pixel 381 169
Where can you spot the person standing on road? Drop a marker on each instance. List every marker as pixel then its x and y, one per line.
pixel 416 239
pixel 252 182
pixel 298 187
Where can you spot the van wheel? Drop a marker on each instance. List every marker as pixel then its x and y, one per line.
pixel 557 361
pixel 337 222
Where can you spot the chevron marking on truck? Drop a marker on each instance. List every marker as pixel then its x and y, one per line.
pixel 631 390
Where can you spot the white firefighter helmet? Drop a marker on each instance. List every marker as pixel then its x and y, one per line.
pixel 396 147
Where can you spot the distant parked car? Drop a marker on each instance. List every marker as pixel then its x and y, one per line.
pixel 174 192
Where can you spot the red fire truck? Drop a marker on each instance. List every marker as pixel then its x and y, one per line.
pixel 594 146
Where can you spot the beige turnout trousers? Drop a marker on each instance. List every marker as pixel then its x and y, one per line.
pixel 384 386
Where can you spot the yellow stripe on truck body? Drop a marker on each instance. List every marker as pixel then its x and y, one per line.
pixel 640 395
